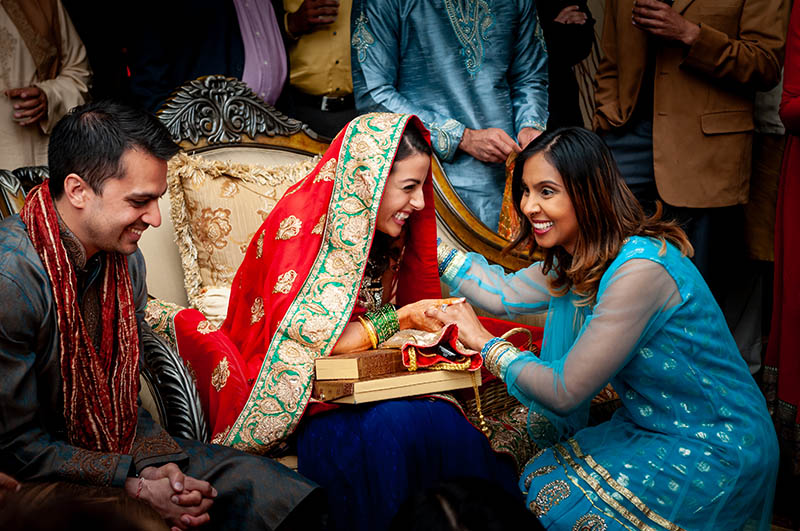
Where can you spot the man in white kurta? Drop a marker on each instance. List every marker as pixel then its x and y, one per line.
pixel 23 138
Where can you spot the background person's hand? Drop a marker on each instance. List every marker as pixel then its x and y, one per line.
pixel 312 15
pixel 470 330
pixel 571 15
pixel 526 136
pixel 30 104
pixel 488 145
pixel 659 19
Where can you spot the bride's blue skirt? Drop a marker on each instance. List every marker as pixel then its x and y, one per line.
pixel 370 458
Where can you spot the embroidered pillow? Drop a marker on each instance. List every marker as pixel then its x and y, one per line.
pixel 216 207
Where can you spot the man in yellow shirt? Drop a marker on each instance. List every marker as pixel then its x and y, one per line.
pixel 321 86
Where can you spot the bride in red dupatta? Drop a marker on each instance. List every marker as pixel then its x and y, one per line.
pixel 358 231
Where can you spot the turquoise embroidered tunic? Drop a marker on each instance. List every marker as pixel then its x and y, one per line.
pixel 455 64
pixel 692 446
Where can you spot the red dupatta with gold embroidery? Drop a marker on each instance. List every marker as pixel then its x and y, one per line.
pixel 297 287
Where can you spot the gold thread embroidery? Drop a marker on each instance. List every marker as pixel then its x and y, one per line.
pixel 590 522
pixel 260 245
pixel 220 437
pixel 220 375
pixel 327 172
pixel 652 515
pixel 576 482
pixel 538 472
pixel 205 327
pixel 318 228
pixel 285 281
pixel 595 485
pixel 536 456
pixel 257 310
pixel 191 371
pixel 288 228
pixel 541 429
pixel 551 495
pixel 471 22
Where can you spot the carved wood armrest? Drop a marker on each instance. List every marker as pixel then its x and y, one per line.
pixel 170 382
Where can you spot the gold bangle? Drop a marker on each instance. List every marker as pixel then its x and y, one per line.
pixel 496 352
pixel 371 333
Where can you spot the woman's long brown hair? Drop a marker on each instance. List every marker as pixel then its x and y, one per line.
pixel 606 210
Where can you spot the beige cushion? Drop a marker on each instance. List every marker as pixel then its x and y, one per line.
pixel 216 207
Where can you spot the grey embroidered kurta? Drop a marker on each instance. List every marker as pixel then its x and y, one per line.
pixel 455 64
pixel 254 492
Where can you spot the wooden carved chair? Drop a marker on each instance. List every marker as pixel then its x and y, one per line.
pixel 15 185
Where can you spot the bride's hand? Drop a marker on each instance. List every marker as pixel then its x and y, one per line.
pixel 414 315
pixel 470 330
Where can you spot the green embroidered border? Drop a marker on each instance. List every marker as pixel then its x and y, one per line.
pixel 265 419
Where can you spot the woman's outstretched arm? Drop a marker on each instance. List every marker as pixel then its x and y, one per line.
pixel 489 287
pixel 624 314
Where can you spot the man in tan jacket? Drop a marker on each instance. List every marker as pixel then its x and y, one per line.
pixel 674 101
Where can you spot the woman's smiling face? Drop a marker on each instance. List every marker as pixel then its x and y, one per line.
pixel 546 204
pixel 402 195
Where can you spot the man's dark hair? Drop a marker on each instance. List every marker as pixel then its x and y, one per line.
pixel 91 139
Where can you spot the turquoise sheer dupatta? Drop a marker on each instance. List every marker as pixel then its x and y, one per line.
pixel 565 320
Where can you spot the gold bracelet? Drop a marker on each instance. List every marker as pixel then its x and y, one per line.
pixel 371 332
pixel 493 356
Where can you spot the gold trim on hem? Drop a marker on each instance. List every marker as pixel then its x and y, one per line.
pixel 614 504
pixel 651 514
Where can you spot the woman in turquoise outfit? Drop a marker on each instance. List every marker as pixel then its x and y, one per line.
pixel 692 446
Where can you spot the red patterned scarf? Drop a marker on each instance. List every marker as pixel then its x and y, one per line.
pixel 100 387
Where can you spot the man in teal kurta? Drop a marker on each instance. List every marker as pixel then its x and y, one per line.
pixel 474 71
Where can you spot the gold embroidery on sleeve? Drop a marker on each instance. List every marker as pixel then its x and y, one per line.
pixel 288 228
pixel 220 375
pixel 285 281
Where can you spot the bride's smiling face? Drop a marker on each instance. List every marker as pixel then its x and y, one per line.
pixel 402 195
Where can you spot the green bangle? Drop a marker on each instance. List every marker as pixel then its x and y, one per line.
pixel 384 319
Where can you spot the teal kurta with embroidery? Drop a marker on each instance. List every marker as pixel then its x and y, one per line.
pixel 692 447
pixel 455 64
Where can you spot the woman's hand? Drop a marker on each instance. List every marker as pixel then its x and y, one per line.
pixel 415 315
pixel 470 330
